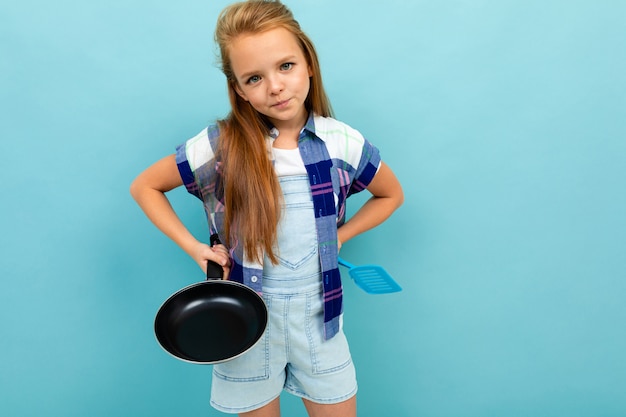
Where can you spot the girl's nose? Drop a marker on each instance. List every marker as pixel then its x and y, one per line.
pixel 276 85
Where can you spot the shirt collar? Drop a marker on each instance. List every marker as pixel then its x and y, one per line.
pixel 310 124
pixel 309 127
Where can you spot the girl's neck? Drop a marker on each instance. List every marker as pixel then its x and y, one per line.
pixel 287 139
pixel 288 133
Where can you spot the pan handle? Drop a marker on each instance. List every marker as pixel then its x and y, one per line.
pixel 213 269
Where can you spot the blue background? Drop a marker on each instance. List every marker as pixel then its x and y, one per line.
pixel 504 120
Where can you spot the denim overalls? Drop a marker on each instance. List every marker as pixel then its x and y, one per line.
pixel 292 354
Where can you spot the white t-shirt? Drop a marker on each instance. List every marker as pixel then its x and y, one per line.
pixel 288 162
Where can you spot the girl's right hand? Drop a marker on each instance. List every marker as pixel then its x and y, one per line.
pixel 218 253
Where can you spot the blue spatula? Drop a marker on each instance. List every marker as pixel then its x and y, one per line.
pixel 372 279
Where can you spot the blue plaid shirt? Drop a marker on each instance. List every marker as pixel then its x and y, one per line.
pixel 339 163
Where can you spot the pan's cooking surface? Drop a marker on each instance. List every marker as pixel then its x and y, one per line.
pixel 210 322
pixel 216 326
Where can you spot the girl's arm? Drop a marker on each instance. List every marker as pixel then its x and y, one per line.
pixel 387 196
pixel 149 189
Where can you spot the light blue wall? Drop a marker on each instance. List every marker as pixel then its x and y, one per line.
pixel 505 121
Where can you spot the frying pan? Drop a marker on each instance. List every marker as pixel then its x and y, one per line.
pixel 211 321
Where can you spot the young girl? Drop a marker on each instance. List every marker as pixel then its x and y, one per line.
pixel 274 177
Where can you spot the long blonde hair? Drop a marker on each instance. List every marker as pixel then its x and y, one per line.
pixel 252 194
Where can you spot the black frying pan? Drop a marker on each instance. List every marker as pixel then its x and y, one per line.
pixel 211 321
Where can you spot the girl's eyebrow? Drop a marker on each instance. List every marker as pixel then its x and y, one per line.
pixel 287 58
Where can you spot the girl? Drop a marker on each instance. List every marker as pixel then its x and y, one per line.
pixel 274 177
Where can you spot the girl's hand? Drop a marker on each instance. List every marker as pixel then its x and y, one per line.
pixel 218 253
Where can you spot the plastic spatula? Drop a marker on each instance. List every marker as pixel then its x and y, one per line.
pixel 372 279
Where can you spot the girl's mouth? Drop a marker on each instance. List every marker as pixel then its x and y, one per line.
pixel 281 104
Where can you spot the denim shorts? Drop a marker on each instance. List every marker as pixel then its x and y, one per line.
pixel 292 355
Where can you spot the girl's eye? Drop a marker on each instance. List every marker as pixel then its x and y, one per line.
pixel 253 79
pixel 286 66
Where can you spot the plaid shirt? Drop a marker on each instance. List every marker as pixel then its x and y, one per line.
pixel 339 163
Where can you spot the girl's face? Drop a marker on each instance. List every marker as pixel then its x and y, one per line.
pixel 273 75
